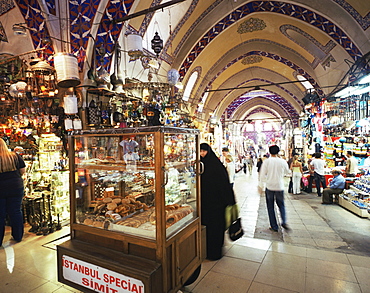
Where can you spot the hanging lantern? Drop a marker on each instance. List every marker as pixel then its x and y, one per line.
pixel 134 46
pixel 157 44
pixel 42 78
pixel 66 67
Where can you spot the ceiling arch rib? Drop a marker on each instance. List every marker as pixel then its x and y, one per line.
pixel 260 112
pixel 254 76
pixel 291 10
pixel 283 103
pixel 249 48
pixel 278 103
pixel 267 55
pixel 221 102
pixel 257 110
pixel 258 104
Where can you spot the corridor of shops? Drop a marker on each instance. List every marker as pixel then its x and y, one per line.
pixel 328 250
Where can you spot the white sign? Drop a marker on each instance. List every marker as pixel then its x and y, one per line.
pixel 98 279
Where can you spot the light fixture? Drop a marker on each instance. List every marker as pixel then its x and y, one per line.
pixel 157 44
pixel 134 46
pixel 365 79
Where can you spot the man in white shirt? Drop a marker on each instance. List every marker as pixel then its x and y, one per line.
pixel 351 165
pixel 272 173
pixel 317 165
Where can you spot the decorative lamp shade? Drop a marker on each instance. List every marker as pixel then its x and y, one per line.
pixel 17 89
pixel 173 76
pixel 70 104
pixel 66 67
pixel 134 46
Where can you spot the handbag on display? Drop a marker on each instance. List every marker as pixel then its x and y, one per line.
pixel 233 222
pixel 93 114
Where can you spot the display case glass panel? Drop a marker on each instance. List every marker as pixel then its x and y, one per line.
pixel 121 177
pixel 115 181
pixel 180 180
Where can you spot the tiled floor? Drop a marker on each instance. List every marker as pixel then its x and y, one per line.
pixel 317 256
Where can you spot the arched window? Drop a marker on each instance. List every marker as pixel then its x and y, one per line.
pixel 305 83
pixel 189 86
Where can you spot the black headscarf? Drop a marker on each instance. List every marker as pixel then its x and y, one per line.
pixel 215 183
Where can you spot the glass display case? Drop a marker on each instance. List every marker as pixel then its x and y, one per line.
pixel 135 190
pixel 115 180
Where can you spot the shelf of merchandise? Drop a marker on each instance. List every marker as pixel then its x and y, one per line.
pixel 347 204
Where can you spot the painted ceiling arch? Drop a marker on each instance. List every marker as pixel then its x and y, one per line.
pixel 258 105
pixel 251 77
pixel 287 9
pixel 280 40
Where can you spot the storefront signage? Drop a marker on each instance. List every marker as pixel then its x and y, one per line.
pixel 98 279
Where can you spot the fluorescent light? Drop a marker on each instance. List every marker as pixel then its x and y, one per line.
pixel 365 79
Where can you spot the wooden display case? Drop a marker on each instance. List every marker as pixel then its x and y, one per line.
pixel 135 210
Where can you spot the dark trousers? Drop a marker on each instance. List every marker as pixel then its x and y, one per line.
pixel 327 194
pixel 278 197
pixel 319 180
pixel 12 206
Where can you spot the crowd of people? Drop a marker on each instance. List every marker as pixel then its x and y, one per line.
pixel 217 183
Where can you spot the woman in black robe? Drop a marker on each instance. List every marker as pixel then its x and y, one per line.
pixel 216 195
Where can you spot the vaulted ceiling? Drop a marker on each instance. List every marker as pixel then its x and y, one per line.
pixel 247 54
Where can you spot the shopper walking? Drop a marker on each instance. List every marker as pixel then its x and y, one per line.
pixel 317 165
pixel 216 195
pixel 225 153
pixel 297 172
pixel 249 161
pixel 351 165
pixel 259 165
pixel 12 167
pixel 272 173
pixel 230 168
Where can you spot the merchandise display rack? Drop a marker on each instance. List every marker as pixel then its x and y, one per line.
pixel 351 201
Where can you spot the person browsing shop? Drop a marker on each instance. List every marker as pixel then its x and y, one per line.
pixel 336 186
pixel 317 165
pixel 12 167
pixel 216 195
pixel 296 167
pixel 273 171
pixel 351 165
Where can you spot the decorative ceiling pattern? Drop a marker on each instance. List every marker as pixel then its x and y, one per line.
pixel 34 19
pixel 283 39
pixel 3 36
pixel 363 21
pixel 288 109
pixel 252 59
pixel 310 44
pixel 274 57
pixel 251 25
pixel 5 6
pixel 260 110
pixel 83 16
pixel 287 9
